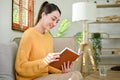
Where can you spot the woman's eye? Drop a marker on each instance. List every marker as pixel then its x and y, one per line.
pixel 53 19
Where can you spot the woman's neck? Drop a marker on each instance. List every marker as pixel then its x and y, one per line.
pixel 39 28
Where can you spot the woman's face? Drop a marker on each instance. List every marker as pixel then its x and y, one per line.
pixel 50 20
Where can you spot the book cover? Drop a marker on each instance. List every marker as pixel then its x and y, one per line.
pixel 66 55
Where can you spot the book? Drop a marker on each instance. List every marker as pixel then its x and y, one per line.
pixel 67 54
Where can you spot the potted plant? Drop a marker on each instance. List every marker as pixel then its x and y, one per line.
pixel 78 37
pixel 96 43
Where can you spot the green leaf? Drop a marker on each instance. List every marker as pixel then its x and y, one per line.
pixel 63 28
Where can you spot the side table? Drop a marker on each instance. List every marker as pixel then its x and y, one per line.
pixel 111 75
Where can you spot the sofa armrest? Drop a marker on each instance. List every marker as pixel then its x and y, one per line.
pixel 7 60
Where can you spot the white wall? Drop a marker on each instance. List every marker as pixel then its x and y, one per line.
pixel 6 33
pixel 66 9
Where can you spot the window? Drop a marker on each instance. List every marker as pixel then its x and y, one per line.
pixel 22 14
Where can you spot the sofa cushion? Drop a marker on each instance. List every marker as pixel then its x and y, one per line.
pixel 7 60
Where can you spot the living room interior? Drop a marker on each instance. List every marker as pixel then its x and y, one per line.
pixel 107 25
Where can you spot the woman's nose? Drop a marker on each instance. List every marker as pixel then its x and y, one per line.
pixel 54 23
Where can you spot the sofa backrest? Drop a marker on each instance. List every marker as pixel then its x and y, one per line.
pixel 59 43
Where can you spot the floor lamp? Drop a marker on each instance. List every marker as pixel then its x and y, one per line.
pixel 85 12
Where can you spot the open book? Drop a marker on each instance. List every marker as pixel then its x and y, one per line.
pixel 66 55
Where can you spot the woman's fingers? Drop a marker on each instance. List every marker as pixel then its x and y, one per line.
pixel 68 64
pixel 52 57
pixel 66 67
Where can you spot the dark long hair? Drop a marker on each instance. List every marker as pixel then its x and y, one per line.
pixel 47 8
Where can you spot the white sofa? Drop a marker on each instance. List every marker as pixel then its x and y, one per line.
pixel 8 53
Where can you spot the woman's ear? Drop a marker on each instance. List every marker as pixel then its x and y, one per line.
pixel 43 14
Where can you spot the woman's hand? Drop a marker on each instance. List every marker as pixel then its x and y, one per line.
pixel 51 57
pixel 66 67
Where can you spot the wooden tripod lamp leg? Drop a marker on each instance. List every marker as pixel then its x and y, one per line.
pixel 91 58
pixel 82 56
pixel 89 48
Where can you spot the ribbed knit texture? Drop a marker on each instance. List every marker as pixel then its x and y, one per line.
pixel 33 48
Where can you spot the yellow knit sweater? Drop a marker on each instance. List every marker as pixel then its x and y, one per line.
pixel 32 50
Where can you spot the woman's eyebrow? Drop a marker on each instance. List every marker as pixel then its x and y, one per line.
pixel 56 17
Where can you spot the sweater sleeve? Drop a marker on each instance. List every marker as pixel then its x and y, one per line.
pixel 24 66
pixel 54 70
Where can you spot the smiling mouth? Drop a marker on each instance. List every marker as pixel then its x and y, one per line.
pixel 51 26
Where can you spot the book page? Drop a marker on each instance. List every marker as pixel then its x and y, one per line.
pixel 70 50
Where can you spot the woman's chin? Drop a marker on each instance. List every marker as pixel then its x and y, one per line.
pixel 48 29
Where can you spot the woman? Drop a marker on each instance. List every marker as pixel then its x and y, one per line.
pixel 36 49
